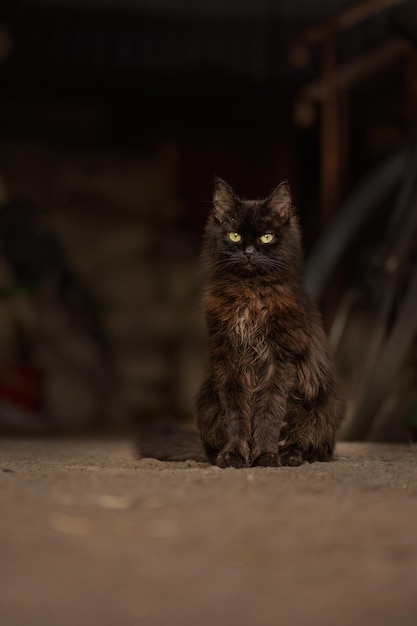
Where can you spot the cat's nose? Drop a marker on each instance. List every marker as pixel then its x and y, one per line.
pixel 249 250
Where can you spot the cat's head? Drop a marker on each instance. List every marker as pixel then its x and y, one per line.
pixel 247 238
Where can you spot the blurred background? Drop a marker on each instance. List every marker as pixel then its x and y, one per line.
pixel 115 116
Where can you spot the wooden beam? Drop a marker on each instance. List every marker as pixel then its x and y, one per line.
pixel 350 73
pixel 330 136
pixel 411 87
pixel 347 18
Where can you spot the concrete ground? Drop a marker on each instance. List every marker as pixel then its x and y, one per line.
pixel 91 536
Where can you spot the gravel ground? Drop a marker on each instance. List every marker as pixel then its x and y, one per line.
pixel 92 536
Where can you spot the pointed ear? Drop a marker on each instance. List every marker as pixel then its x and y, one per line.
pixel 280 201
pixel 224 199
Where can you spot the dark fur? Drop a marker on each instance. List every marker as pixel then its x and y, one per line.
pixel 270 396
pixel 166 440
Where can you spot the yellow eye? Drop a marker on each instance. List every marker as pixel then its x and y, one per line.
pixel 267 238
pixel 235 237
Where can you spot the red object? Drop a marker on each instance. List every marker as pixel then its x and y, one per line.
pixel 21 388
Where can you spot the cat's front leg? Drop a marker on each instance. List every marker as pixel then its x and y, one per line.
pixel 268 419
pixel 234 455
pixel 237 425
pixel 267 435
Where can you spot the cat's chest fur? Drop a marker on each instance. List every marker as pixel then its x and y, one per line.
pixel 250 322
pixel 244 315
pixel 248 341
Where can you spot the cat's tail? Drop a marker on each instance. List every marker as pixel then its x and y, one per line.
pixel 166 440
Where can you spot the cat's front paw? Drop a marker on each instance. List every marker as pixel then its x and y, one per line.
pixel 231 459
pixel 267 459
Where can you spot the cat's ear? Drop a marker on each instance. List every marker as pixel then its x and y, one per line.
pixel 224 199
pixel 280 201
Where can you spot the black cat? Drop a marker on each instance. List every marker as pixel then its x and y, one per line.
pixel 270 396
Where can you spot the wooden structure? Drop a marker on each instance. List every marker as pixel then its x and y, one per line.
pixel 331 90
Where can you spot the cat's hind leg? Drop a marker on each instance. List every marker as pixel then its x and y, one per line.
pixel 209 421
pixel 311 432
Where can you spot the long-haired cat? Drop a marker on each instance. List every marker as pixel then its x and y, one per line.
pixel 270 396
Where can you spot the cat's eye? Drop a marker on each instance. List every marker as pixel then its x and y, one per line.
pixel 267 238
pixel 235 237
